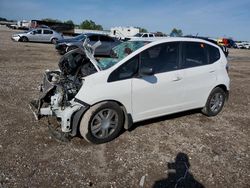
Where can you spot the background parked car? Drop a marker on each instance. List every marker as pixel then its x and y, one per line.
pixel 38 35
pixel 107 43
pixel 229 43
pixel 243 45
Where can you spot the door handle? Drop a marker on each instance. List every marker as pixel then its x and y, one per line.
pixel 211 71
pixel 177 78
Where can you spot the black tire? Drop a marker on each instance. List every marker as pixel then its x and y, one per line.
pixel 24 39
pixel 70 48
pixel 87 127
pixel 214 106
pixel 54 40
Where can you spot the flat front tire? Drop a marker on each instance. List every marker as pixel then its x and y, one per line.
pixel 24 39
pixel 102 122
pixel 215 102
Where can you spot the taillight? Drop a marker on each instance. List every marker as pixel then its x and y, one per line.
pixel 227 68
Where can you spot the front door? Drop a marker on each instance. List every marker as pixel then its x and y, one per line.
pixel 163 92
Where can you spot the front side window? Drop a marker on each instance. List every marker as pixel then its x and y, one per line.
pixel 125 71
pixel 38 31
pixel 162 57
pixel 94 38
pixel 195 54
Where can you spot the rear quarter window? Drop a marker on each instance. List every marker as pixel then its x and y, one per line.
pixel 47 32
pixel 214 54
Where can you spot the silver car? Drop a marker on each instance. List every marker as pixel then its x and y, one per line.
pixel 107 43
pixel 38 35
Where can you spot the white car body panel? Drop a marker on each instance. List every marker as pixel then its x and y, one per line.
pixel 160 94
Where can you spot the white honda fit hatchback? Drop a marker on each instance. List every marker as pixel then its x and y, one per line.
pixel 142 80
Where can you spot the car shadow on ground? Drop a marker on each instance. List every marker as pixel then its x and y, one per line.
pixel 178 175
pixel 164 118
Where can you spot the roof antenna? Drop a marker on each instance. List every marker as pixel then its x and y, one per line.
pixel 197 34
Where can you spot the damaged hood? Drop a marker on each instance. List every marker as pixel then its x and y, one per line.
pixel 90 51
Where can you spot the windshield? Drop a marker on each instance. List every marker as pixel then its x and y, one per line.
pixel 120 52
pixel 80 37
pixel 138 35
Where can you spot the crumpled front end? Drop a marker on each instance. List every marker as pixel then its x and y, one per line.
pixel 56 99
pixel 58 91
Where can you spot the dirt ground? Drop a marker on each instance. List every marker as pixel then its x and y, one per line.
pixel 155 153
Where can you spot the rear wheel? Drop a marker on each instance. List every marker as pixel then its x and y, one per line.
pixel 102 122
pixel 215 102
pixel 24 39
pixel 54 40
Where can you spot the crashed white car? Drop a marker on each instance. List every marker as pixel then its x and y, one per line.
pixel 142 80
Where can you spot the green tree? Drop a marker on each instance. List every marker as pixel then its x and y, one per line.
pixel 176 33
pixel 89 24
pixel 3 19
pixel 142 30
pixel 69 22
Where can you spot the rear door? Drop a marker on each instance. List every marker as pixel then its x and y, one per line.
pixel 47 34
pixel 199 76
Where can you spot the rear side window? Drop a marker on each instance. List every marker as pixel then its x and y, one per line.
pixel 214 54
pixel 125 71
pixel 94 38
pixel 47 32
pixel 195 54
pixel 106 39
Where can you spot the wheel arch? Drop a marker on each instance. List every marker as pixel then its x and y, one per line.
pixel 128 120
pixel 224 88
pixel 77 116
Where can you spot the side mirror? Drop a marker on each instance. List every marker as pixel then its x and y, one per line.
pixel 33 33
pixel 147 71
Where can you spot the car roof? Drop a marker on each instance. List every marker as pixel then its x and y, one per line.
pixel 160 41
pixel 178 39
pixel 43 28
pixel 89 34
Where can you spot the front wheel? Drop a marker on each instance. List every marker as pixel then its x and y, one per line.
pixel 215 102
pixel 24 39
pixel 102 122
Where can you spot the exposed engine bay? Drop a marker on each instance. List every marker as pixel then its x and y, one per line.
pixel 59 88
pixel 74 66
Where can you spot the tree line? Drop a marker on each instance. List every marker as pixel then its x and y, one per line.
pixel 91 25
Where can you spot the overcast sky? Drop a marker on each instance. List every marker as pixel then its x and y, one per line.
pixel 214 18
